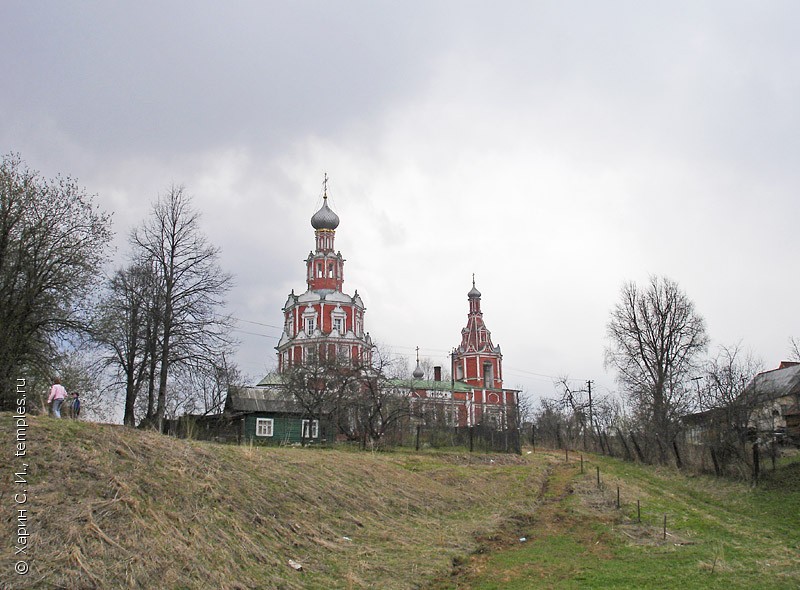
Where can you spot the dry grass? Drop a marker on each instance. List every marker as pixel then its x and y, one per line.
pixel 115 508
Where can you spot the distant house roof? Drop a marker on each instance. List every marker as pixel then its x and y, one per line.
pixel 271 379
pixel 764 387
pixel 779 382
pixel 261 399
pixel 699 418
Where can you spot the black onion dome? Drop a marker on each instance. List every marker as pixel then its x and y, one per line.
pixel 325 218
pixel 473 293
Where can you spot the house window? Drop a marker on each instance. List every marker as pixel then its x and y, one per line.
pixel 264 426
pixel 310 428
pixel 309 326
pixel 337 324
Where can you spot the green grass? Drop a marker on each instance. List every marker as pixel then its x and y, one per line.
pixel 721 534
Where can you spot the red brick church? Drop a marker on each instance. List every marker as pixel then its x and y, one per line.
pixel 325 322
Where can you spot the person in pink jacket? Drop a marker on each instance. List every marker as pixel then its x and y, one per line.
pixel 57 396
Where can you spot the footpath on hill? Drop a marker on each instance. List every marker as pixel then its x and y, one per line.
pixel 602 523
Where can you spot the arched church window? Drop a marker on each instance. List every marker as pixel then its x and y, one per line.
pixel 488 375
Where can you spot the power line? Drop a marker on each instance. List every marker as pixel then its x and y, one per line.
pixel 253 333
pixel 506 369
pixel 257 323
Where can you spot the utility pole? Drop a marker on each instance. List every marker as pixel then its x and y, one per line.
pixel 699 395
pixel 452 369
pixel 591 419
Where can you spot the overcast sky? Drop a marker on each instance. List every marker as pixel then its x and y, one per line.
pixel 554 149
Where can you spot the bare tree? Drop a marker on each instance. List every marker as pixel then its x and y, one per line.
pixel 378 406
pixel 53 241
pixel 126 331
pixel 577 410
pixel 728 404
pixel 794 349
pixel 358 395
pixel 726 376
pixel 655 336
pixel 202 389
pixel 321 387
pixel 551 423
pixel 191 287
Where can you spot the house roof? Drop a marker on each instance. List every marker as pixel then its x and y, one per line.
pixel 261 399
pixel 271 379
pixel 764 387
pixel 777 383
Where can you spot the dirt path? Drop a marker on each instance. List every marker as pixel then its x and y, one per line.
pixel 552 516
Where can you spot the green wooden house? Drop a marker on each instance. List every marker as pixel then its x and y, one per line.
pixel 267 414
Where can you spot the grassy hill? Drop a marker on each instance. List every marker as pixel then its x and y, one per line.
pixel 111 507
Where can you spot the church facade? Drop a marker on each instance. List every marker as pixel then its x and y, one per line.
pixel 324 323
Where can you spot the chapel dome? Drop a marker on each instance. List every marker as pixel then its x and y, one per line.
pixel 325 218
pixel 473 293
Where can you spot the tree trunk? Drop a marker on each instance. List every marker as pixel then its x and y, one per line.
pixel 638 449
pixel 678 461
pixel 756 463
pixel 717 470
pixel 628 454
pixel 129 418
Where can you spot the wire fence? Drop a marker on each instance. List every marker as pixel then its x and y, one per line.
pixel 746 457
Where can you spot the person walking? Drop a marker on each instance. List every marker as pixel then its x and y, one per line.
pixel 76 405
pixel 57 396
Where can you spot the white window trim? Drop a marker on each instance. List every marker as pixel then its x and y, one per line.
pixel 265 426
pixel 314 429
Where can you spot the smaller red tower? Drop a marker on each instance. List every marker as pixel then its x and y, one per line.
pixel 477 362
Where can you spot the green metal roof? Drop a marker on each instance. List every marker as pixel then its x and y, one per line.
pixel 430 384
